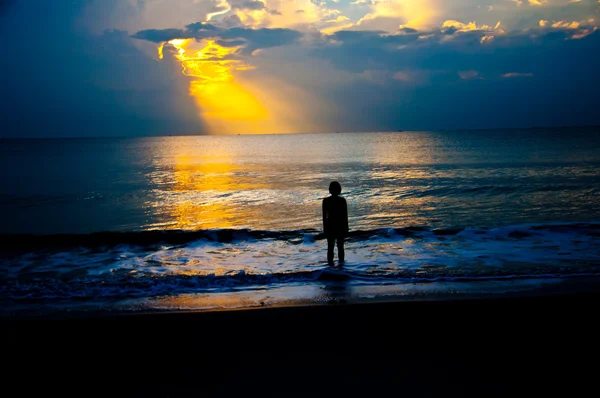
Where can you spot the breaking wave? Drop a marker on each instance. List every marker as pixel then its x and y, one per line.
pixel 118 265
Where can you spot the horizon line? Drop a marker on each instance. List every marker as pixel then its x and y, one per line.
pixel 306 133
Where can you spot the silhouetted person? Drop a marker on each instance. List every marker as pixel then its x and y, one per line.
pixel 335 221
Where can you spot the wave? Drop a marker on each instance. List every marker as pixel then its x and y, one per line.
pixel 116 265
pixel 30 242
pixel 492 190
pixel 128 287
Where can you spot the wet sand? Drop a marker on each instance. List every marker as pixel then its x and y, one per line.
pixel 476 347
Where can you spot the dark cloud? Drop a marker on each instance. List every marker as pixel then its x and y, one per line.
pixel 449 30
pixel 262 38
pixel 249 39
pixel 374 38
pixel 160 35
pixel 559 81
pixel 349 36
pixel 197 30
pixel 66 82
pixel 407 30
pixel 251 6
pixel 357 51
pixel 202 28
pixel 231 43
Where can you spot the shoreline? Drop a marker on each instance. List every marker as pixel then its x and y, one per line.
pixel 330 293
pixel 567 304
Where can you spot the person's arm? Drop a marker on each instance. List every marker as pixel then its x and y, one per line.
pixel 324 215
pixel 345 217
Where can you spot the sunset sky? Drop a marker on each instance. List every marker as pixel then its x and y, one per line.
pixel 158 67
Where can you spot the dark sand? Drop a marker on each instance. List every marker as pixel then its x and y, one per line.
pixel 485 347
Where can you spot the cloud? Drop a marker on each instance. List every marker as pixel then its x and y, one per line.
pixel 338 19
pixel 469 75
pixel 248 39
pixel 515 74
pixel 161 35
pixel 361 50
pixel 247 5
pixel 537 66
pixel 262 38
pixel 579 29
pixel 451 27
pixel 59 80
pixel 90 65
pixel 566 25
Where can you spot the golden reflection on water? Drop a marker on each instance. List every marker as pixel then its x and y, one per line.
pixel 200 186
pixel 278 182
pixel 215 179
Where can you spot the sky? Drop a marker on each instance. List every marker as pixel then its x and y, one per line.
pixel 93 68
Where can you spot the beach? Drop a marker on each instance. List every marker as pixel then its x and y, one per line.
pixel 196 266
pixel 501 346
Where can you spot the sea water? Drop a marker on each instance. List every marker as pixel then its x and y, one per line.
pixel 205 222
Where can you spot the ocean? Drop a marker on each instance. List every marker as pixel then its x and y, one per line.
pixel 234 221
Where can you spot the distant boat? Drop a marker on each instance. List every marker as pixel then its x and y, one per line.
pixel 399 131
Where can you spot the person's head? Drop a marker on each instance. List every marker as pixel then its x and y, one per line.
pixel 335 188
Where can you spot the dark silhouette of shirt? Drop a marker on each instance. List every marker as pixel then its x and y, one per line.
pixel 335 216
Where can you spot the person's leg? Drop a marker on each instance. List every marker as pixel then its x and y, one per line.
pixel 340 246
pixel 330 244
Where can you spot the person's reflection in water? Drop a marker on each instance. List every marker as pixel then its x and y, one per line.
pixel 335 221
pixel 336 288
